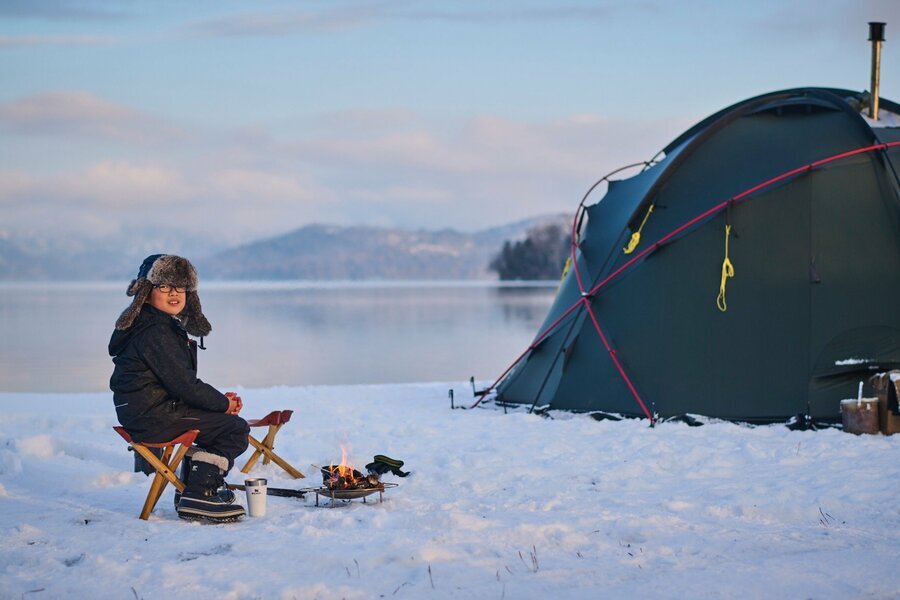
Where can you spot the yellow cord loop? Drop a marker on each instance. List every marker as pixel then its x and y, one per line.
pixel 636 236
pixel 727 273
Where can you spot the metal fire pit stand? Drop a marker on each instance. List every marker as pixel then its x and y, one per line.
pixel 351 494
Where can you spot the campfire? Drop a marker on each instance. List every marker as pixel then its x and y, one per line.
pixel 343 482
pixel 344 477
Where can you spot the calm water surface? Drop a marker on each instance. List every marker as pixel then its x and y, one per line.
pixel 285 333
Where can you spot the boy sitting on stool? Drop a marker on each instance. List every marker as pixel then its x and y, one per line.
pixel 156 391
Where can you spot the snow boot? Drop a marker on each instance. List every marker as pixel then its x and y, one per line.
pixel 200 499
pixel 223 492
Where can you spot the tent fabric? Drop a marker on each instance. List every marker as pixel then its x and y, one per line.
pixel 811 310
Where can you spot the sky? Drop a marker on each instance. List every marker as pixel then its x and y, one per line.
pixel 232 121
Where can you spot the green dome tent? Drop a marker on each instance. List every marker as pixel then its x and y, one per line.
pixel 765 282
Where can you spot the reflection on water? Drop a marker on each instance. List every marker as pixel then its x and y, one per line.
pixel 291 333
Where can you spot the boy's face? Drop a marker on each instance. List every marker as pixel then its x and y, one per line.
pixel 171 302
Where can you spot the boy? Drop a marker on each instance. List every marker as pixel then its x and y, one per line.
pixel 156 391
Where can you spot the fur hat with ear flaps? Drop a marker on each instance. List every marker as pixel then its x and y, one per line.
pixel 167 269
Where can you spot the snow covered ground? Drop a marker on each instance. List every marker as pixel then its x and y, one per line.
pixel 498 506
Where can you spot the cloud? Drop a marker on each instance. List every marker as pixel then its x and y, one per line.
pixel 419 195
pixel 260 187
pixel 491 15
pixel 84 115
pixel 107 185
pixel 14 186
pixel 109 195
pixel 481 171
pixel 285 22
pixel 487 145
pixel 393 167
pixel 804 22
pixel 7 41
pixel 368 119
pixel 117 184
pixel 357 14
pixel 89 204
pixel 60 10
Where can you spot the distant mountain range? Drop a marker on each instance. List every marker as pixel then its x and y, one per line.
pixel 354 253
pixel 313 252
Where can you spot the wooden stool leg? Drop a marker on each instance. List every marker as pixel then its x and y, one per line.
pixel 153 496
pixel 165 474
pixel 266 448
pixel 173 468
pixel 253 458
pixel 157 487
pixel 269 441
pixel 277 459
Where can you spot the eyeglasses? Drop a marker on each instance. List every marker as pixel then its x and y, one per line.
pixel 165 289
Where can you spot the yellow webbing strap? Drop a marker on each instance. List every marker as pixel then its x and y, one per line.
pixel 636 236
pixel 565 272
pixel 727 272
pixel 566 268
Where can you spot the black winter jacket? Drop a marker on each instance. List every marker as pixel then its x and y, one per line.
pixel 155 377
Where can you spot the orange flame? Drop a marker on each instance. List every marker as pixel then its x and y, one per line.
pixel 344 470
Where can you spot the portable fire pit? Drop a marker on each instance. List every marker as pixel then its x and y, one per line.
pixel 340 482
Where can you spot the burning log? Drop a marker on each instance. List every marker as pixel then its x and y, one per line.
pixel 344 477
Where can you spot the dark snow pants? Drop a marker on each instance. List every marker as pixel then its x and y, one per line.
pixel 220 433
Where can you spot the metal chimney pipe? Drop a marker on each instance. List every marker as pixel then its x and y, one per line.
pixel 876 36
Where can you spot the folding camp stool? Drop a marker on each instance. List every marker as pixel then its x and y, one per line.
pixel 165 467
pixel 275 420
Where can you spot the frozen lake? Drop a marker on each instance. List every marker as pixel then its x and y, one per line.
pixel 281 333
